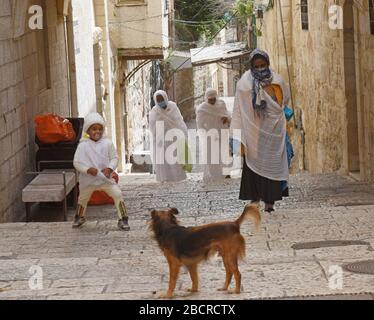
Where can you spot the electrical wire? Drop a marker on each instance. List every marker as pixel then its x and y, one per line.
pixel 198 22
pixel 207 42
pixel 161 34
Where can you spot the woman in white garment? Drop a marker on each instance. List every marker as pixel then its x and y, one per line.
pixel 212 115
pixel 165 113
pixel 258 112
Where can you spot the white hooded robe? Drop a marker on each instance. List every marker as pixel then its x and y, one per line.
pixel 209 117
pixel 171 119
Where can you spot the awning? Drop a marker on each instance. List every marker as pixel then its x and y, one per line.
pixel 217 53
pixel 180 60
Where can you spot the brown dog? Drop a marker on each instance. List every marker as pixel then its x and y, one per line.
pixel 189 246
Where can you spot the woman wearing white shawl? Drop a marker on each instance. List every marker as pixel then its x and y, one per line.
pixel 166 113
pixel 212 115
pixel 258 112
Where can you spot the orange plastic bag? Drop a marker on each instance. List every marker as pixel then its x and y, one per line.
pixel 99 198
pixel 51 128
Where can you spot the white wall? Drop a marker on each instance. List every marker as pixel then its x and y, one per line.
pixel 83 22
pixel 150 30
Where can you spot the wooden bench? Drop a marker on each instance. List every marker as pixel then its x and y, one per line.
pixel 50 186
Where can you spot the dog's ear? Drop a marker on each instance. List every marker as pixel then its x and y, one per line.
pixel 153 213
pixel 174 211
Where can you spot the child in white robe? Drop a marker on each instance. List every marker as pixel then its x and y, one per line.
pixel 96 159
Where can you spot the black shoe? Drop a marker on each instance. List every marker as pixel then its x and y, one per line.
pixel 78 221
pixel 123 224
pixel 270 210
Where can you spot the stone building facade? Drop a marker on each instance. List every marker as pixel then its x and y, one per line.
pixel 33 80
pixel 330 49
pixel 75 64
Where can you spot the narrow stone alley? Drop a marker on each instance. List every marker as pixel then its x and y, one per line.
pixel 100 262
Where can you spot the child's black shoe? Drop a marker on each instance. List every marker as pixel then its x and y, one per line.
pixel 123 224
pixel 78 221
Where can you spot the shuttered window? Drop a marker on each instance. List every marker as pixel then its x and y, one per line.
pixel 371 14
pixel 304 15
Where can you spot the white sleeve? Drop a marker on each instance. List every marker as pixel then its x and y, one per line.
pixel 199 119
pixel 236 122
pixel 225 111
pixel 79 165
pixel 180 120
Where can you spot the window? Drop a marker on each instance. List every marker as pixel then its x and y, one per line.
pixel 304 15
pixel 371 15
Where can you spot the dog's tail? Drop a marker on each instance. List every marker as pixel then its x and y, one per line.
pixel 253 212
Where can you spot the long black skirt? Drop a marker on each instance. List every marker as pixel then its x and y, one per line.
pixel 255 187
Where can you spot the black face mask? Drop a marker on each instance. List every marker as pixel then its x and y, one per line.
pixel 261 73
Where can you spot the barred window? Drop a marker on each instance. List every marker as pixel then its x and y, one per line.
pixel 304 15
pixel 371 15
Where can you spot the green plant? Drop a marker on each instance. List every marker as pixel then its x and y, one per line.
pixel 244 9
pixel 197 19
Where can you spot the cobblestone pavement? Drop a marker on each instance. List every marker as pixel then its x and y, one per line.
pixel 99 262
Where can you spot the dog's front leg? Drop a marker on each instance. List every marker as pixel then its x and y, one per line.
pixel 192 269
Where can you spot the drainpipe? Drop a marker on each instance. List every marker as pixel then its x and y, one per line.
pixel 67 66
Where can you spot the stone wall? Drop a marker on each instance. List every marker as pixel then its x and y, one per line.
pixel 202 80
pixel 139 30
pixel 365 85
pixel 109 55
pixel 184 92
pixel 318 73
pixel 138 93
pixel 22 96
pixel 83 28
pixel 323 71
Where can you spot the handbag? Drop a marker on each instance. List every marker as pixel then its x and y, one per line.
pixel 51 128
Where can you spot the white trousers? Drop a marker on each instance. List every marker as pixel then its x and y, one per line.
pixel 111 190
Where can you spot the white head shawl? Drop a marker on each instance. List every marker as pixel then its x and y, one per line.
pixel 171 116
pixel 163 94
pixel 91 119
pixel 210 94
pixel 206 110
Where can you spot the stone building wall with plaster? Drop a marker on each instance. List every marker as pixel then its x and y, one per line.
pixel 365 84
pixel 33 80
pixel 138 99
pixel 322 80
